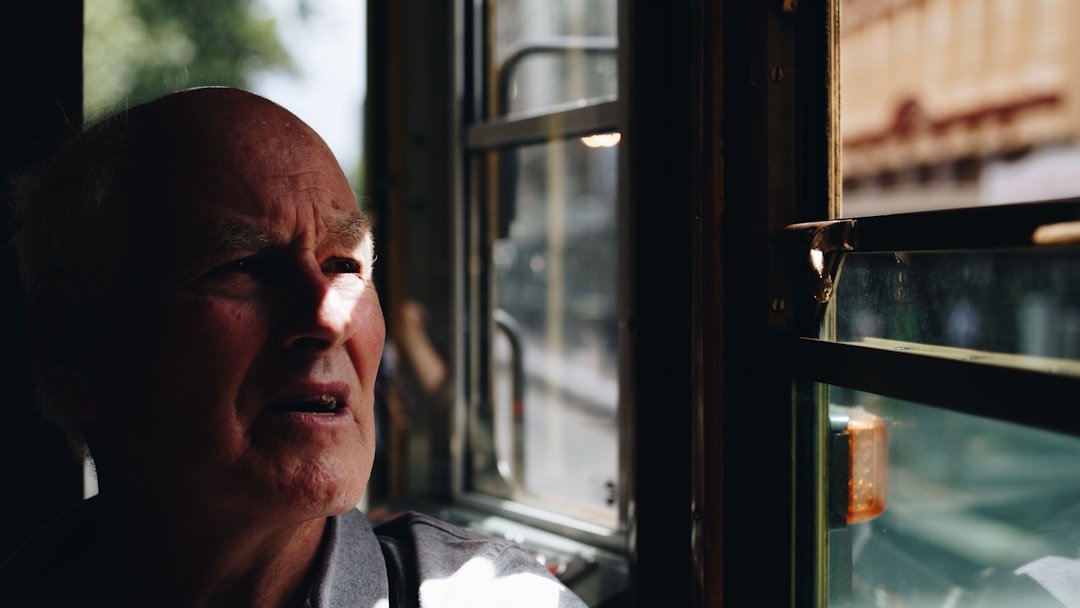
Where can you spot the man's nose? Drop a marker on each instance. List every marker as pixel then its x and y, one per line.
pixel 317 313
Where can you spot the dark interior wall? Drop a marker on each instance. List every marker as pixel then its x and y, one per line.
pixel 40 102
pixel 408 154
pixel 660 79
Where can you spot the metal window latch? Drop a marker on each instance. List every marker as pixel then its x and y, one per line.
pixel 822 239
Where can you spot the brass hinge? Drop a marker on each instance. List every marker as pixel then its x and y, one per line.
pixel 822 239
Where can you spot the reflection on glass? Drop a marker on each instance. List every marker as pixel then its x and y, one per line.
pixel 980 514
pixel 553 436
pixel 551 53
pixel 950 103
pixel 1020 302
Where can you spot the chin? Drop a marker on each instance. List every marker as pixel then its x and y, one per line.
pixel 299 486
pixel 332 489
pixel 309 504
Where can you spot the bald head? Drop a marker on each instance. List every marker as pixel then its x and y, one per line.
pixel 209 126
pixel 114 203
pixel 98 191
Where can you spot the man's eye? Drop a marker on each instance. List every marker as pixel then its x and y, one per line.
pixel 243 266
pixel 341 266
pixel 247 265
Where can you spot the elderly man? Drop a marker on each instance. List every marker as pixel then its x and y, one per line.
pixel 202 314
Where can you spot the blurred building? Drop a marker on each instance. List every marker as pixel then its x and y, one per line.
pixel 951 103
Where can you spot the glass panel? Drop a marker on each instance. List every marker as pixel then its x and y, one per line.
pixel 308 57
pixel 950 103
pixel 137 50
pixel 549 53
pixel 979 513
pixel 553 439
pixel 1020 302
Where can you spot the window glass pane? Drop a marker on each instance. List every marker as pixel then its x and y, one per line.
pixel 136 50
pixel 1019 302
pixel 979 513
pixel 550 438
pixel 308 57
pixel 552 53
pixel 950 103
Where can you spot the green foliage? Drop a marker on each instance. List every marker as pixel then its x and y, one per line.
pixel 139 49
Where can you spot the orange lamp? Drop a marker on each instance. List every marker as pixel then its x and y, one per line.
pixel 859 465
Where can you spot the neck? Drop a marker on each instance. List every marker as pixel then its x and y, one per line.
pixel 176 558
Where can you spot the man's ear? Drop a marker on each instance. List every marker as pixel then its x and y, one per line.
pixel 58 327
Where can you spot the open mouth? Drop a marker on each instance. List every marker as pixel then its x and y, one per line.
pixel 322 404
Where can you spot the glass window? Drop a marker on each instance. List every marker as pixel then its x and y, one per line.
pixel 550 436
pixel 552 54
pixel 308 57
pixel 979 513
pixel 992 303
pixel 137 50
pixel 543 383
pixel 958 103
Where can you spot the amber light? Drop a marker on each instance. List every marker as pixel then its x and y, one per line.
pixel 602 140
pixel 868 452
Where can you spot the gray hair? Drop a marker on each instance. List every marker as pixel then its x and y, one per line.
pixel 65 209
pixel 71 218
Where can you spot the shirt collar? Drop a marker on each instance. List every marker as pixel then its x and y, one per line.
pixel 352 571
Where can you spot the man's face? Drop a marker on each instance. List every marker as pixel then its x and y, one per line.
pixel 237 373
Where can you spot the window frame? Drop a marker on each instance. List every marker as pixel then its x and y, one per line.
pixel 482 130
pixel 968 386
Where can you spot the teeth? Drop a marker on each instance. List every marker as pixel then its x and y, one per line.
pixel 315 403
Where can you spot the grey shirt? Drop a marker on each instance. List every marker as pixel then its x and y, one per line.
pixel 411 561
pixel 419 561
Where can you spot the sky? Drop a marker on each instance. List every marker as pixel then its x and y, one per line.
pixel 329 50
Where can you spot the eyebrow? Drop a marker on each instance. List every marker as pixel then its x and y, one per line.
pixel 351 229
pixel 230 235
